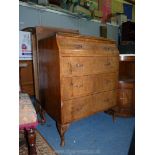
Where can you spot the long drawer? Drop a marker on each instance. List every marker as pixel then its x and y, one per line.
pixel 77 47
pixel 77 66
pixel 85 106
pixel 80 86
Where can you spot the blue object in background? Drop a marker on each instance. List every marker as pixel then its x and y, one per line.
pixel 128 10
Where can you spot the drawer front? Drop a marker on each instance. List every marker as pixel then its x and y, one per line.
pixel 84 106
pixel 86 47
pixel 77 66
pixel 80 86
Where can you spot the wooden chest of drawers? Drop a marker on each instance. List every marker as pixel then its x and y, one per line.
pixel 78 77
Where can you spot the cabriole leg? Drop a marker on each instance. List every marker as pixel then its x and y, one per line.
pixel 62 128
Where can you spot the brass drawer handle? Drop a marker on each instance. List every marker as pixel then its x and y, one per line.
pixel 107 64
pixel 78 86
pixel 78 46
pixel 107 48
pixel 79 65
pixel 107 100
pixel 107 81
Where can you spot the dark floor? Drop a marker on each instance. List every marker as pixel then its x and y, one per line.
pixel 94 135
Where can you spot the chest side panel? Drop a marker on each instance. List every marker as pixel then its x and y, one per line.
pixel 49 77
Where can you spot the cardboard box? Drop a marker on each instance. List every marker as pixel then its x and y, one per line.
pixel 113 20
pixel 98 13
pixel 121 19
pixel 118 19
pixel 25 49
pixel 82 10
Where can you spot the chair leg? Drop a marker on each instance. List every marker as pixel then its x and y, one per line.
pixel 31 137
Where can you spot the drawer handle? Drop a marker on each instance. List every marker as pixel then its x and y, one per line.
pixel 78 86
pixel 79 65
pixel 106 100
pixel 107 81
pixel 107 48
pixel 78 46
pixel 107 64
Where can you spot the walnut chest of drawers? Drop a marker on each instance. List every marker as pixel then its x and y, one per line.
pixel 78 77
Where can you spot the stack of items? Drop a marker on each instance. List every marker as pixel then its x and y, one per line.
pixel 121 12
pixel 87 8
pixel 118 19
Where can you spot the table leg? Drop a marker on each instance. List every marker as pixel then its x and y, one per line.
pixel 31 136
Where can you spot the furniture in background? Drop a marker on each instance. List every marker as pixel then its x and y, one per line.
pixel 28 121
pixel 78 77
pixel 38 33
pixel 127 38
pixel 26 77
pixel 126 87
pixel 128 31
pixel 26 85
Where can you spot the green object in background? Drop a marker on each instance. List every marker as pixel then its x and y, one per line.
pixel 89 4
pixel 116 7
pixel 81 10
pixel 75 1
pixel 93 5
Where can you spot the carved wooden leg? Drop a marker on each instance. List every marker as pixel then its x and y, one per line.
pixel 62 128
pixel 31 137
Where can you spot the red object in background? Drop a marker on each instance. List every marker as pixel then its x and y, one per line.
pixel 106 10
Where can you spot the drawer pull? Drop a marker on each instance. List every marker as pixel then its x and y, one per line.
pixel 78 46
pixel 78 86
pixel 79 65
pixel 106 100
pixel 107 64
pixel 107 81
pixel 107 48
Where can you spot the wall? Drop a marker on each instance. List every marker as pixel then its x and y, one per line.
pixel 30 16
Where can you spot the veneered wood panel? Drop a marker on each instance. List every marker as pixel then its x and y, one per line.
pixel 49 77
pixel 84 106
pixel 26 77
pixel 83 85
pixel 77 66
pixel 85 47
